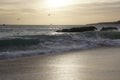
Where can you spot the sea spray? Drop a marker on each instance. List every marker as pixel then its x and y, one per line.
pixel 27 41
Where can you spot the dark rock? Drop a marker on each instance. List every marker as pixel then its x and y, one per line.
pixel 109 29
pixel 4 25
pixel 79 29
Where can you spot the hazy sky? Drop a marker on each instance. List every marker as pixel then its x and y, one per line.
pixel 58 11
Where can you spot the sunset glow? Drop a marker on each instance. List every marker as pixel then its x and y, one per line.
pixel 58 3
pixel 58 11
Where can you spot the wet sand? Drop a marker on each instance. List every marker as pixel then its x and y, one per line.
pixel 94 64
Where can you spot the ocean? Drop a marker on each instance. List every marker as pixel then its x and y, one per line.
pixel 27 40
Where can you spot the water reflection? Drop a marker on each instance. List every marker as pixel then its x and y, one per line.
pixel 87 65
pixel 66 68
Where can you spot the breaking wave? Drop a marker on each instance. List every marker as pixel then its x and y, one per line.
pixel 57 43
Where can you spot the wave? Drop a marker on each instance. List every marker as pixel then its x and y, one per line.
pixel 16 43
pixel 57 43
pixel 103 34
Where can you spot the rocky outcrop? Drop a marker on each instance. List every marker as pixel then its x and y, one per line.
pixel 109 29
pixel 79 29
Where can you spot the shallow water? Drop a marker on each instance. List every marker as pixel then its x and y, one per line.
pixel 94 64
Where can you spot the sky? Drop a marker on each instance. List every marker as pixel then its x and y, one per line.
pixel 58 12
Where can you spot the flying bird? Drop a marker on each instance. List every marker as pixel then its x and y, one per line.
pixel 49 14
pixel 18 19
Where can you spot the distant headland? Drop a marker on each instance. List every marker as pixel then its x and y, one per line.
pixel 115 22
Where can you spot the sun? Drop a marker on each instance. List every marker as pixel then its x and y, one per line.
pixel 57 3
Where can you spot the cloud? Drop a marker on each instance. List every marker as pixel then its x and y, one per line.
pixel 18 10
pixel 9 4
pixel 79 11
pixel 99 6
pixel 18 6
pixel 94 8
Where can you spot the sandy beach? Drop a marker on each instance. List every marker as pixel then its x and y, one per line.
pixel 94 64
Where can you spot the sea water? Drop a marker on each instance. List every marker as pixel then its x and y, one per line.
pixel 25 40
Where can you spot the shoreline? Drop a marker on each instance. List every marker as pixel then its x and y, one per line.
pixel 93 64
pixel 67 52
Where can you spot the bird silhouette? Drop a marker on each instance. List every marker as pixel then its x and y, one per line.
pixel 49 14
